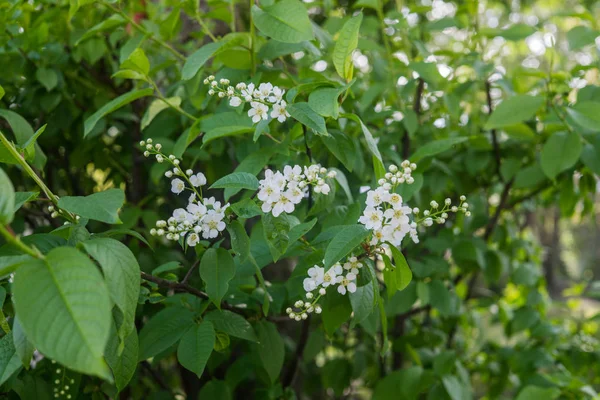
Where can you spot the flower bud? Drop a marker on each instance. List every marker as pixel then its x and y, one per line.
pixel 322 291
pixel 309 295
pixel 463 198
pixel 318 309
pixel 393 168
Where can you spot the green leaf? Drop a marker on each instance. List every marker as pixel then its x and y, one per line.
pixel 363 303
pixel 9 359
pixel 196 346
pixel 590 155
pixel 122 363
pixel 216 390
pixel 246 208
pixel 163 330
pixel 270 348
pixel 112 22
pixel 240 242
pixel 513 110
pixel 436 147
pixel 402 384
pixel 64 296
pixel 197 59
pixel 7 199
pixel 225 124
pixel 30 143
pixel 286 21
pixel 517 32
pixel 581 36
pixel 102 206
pixel 403 272
pixel 344 242
pixel 276 232
pixel 439 297
pixel 455 388
pixel 325 102
pixel 560 152
pixel 371 143
pixel 303 113
pixel 2 92
pixel 114 105
pixel 137 61
pixel 531 392
pixel 216 270
pixel 9 264
pixel 156 107
pixel 232 324
pixel 23 132
pixel 297 231
pixel 23 347
pixel 586 115
pixel 336 311
pixel 237 180
pixel 346 43
pixel 122 274
pixel 47 77
pixel 427 71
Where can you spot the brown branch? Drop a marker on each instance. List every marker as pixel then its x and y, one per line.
pixel 190 271
pixel 489 229
pixel 417 110
pixel 288 378
pixel 488 93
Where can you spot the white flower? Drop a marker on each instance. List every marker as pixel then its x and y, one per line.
pixel 177 186
pixel 258 111
pixel 264 90
pixel 269 191
pixel 193 239
pixel 322 188
pixel 235 101
pixel 347 283
pixel 352 263
pixel 282 204
pixel 198 211
pixel 376 197
pixel 395 200
pixel 331 275
pixel 212 224
pixel 277 95
pixel 372 218
pixel 180 215
pixel 295 194
pixel 279 112
pixel 248 91
pixel 315 278
pixel 198 180
pixel 398 216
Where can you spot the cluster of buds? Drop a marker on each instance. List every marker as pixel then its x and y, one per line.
pixel 302 309
pixel 265 100
pixel 439 215
pixel 281 192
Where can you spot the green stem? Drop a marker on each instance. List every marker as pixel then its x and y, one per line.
pixel 252 39
pixel 145 31
pixel 168 103
pixel 10 238
pixel 204 26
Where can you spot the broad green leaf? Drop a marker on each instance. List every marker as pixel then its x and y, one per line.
pixel 163 330
pixel 9 359
pixel 436 147
pixel 129 74
pixel 10 263
pixel 23 346
pixel 196 346
pixel 344 242
pixel 586 115
pixel 456 389
pixel 517 32
pixel 23 132
pixel 590 155
pixel 531 392
pixel 427 71
pixel 232 324
pixel 513 110
pixel 122 363
pixel 402 384
pixel 371 143
pixel 122 275
pixel 197 59
pixel 114 105
pixel 270 348
pixel 102 206
pixel 297 231
pixel 519 131
pixel 237 180
pixel 336 310
pixel 7 199
pixel 112 22
pixel 30 143
pixel 403 272
pixel 64 296
pixel 439 297
pixel 286 21
pixel 246 208
pixel 216 390
pixel 130 45
pixel 529 176
pixel 581 36
pixel 325 102
pixel 2 92
pixel 274 49
pixel 240 242
pixel 137 61
pixel 276 233
pixel 216 270
pixel 560 152
pixel 363 302
pixel 225 124
pixel 47 77
pixel 156 107
pixel 346 43
pixel 303 113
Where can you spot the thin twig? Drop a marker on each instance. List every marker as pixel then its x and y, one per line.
pixel 288 378
pixel 417 110
pixel 488 93
pixel 189 273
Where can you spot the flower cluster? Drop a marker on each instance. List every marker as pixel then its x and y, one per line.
pixel 202 216
pixel 265 100
pixel 280 192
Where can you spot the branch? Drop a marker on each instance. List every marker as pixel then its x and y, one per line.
pixel 488 94
pixel 489 229
pixel 417 110
pixel 288 379
pixel 189 273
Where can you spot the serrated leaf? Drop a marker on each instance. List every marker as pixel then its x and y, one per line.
pixel 513 110
pixel 303 113
pixel 246 208
pixel 23 347
pixel 325 102
pixel 64 296
pixel 103 206
pixel 122 363
pixel 163 330
pixel 47 77
pixel 363 303
pixel 196 346
pixel 216 270
pixel 436 147
pixel 7 199
pixel 9 359
pixel 240 242
pixel 156 107
pixel 137 61
pixel 122 274
pixel 112 22
pixel 403 272
pixel 586 115
pixel 371 143
pixel 286 21
pixel 345 45
pixel 344 242
pixel 114 105
pixel 270 349
pixel 232 324
pixel 560 152
pixel 237 180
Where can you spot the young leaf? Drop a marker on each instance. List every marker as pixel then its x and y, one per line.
pixel 344 46
pixel 216 270
pixel 403 272
pixel 325 102
pixel 232 324
pixel 122 275
pixel 286 21
pixel 560 152
pixel 102 206
pixel 7 199
pixel 64 296
pixel 237 180
pixel 156 107
pixel 513 110
pixel 137 61
pixel 23 132
pixel 246 208
pixel 344 242
pixel 303 113
pixel 196 346
pixel 163 330
pixel 113 105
